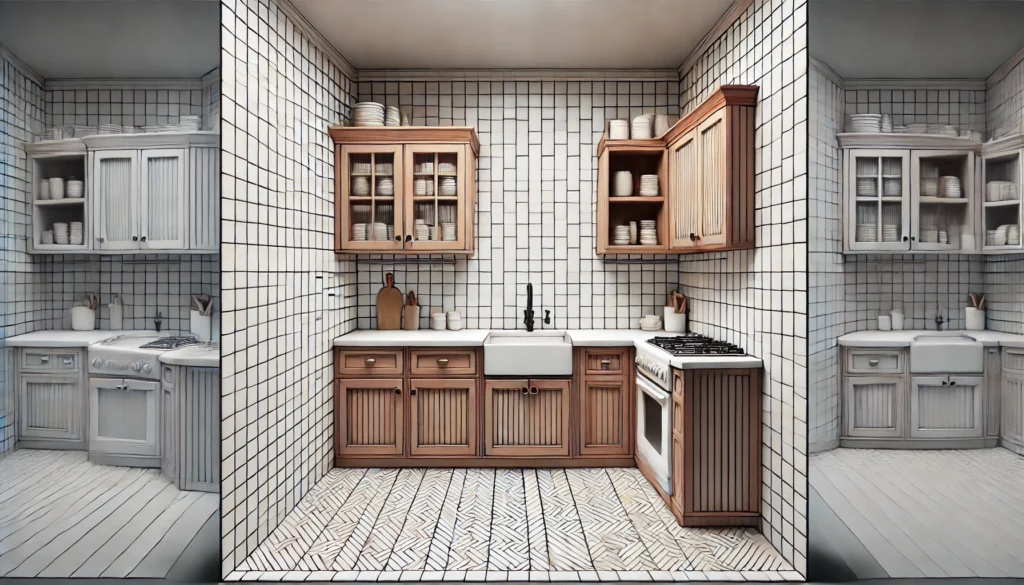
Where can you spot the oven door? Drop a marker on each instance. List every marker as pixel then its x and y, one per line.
pixel 654 430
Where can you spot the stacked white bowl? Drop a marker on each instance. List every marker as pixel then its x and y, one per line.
pixel 423 187
pixel 867 187
pixel 864 123
pixel 867 232
pixel 77 234
pixel 360 186
pixel 75 188
pixel 949 187
pixel 359 232
pixel 47 237
pixel 621 237
pixel 368 114
pixel 392 116
pixel 448 232
pixel 890 232
pixel 61 235
pixel 648 232
pixel 380 232
pixel 386 187
pixel 1013 235
pixel 421 229
pixel 448 187
pixel 649 185
pixel 618 130
pixel 641 128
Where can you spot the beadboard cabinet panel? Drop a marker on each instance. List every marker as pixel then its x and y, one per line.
pixel 873 406
pixel 162 198
pixel 369 418
pixel 115 178
pixel 527 418
pixel 443 417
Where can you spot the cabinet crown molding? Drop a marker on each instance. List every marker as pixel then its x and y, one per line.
pixel 152 140
pixel 406 134
pixel 904 141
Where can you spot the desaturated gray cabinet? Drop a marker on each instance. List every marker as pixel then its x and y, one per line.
pixel 191 427
pixel 50 399
pixel 873 406
pixel 1012 401
pixel 946 407
pixel 124 422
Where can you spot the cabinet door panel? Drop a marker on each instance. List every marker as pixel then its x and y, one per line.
pixel 873 406
pixel 162 199
pixel 50 407
pixel 527 418
pixel 714 185
pixel 369 417
pixel 124 417
pixel 443 417
pixel 203 212
pixel 684 190
pixel 604 417
pixel 169 424
pixel 371 187
pixel 115 179
pixel 878 212
pixel 1012 412
pixel 946 408
pixel 436 194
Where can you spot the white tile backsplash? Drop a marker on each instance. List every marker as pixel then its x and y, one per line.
pixel 124 105
pixel 1006 103
pixel 963 108
pixel 758 298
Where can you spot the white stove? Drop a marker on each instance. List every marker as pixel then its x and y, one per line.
pixel 135 356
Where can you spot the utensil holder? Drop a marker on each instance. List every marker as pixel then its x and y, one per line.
pixel 975 319
pixel 411 321
pixel 674 322
pixel 200 325
pixel 83 319
pixel 897 320
pixel 116 317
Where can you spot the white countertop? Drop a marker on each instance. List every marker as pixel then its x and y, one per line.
pixel 905 337
pixel 579 338
pixel 60 338
pixel 206 355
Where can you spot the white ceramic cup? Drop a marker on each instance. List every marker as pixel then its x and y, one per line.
pixel 56 188
pixel 897 320
pixel 884 323
pixel 75 189
pixel 623 184
pixel 674 322
pixel 437 322
pixel 83 319
pixel 975 319
pixel 44 189
pixel 200 325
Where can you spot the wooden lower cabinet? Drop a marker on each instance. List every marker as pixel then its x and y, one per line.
pixel 716 447
pixel 442 417
pixel 370 421
pixel 527 418
pixel 605 416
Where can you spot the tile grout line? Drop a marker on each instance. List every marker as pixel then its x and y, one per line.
pixel 576 507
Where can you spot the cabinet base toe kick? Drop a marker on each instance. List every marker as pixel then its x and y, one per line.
pixel 869 443
pixel 124 460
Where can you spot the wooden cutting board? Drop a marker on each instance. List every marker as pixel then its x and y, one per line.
pixel 389 305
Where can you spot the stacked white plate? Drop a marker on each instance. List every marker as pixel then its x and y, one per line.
pixel 421 229
pixel 949 186
pixel 107 129
pixel 386 187
pixel 621 237
pixel 61 235
pixel 867 232
pixel 448 232
pixel 648 232
pixel 361 168
pixel 368 114
pixel 943 237
pixel 445 167
pixel 360 186
pixel 423 168
pixel 864 123
pixel 1000 191
pixel 1013 235
pixel 380 232
pixel 359 232
pixel 892 187
pixel 391 232
pixel 392 116
pixel 385 169
pixel 641 128
pixel 77 234
pixel 423 187
pixel 947 130
pixel 930 236
pixel 890 232
pixel 917 128
pixel 867 187
pixel 618 130
pixel 157 128
pixel 900 130
pixel 886 123
pixel 47 237
pixel 448 187
pixel 992 238
pixel 649 185
pixel 189 123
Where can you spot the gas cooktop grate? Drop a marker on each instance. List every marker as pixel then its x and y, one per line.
pixel 694 344
pixel 170 343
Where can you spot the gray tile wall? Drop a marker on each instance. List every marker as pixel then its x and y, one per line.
pixel 21 114
pixel 279 94
pixel 1006 104
pixel 960 108
pixel 125 106
pixel 758 298
pixel 825 278
pixel 537 192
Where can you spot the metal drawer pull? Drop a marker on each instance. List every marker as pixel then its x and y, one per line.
pixel 872 363
pixel 944 382
pixel 370 362
pixel 442 362
pixel 68 361
pixel 952 382
pixel 605 364
pixel 44 359
pixel 525 390
pixel 533 390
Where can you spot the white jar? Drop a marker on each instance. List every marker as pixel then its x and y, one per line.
pixel 44 189
pixel 884 323
pixel 897 320
pixel 623 184
pixel 454 320
pixel 437 322
pixel 975 319
pixel 56 188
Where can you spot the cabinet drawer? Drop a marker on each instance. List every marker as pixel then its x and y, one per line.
pixel 372 362
pixel 866 361
pixel 47 361
pixel 610 362
pixel 447 362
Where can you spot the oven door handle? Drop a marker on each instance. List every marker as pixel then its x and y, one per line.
pixel 652 390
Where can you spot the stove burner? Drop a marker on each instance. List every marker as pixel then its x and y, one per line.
pixel 694 344
pixel 170 343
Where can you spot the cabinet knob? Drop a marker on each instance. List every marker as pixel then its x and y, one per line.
pixel 398 237
pixel 952 382
pixel 905 238
pixel 525 390
pixel 944 382
pixel 100 240
pixel 398 390
pixel 872 363
pixel 533 390
pixel 408 238
pixel 370 362
pixel 913 238
pixel 693 236
pixel 412 392
pixel 135 238
pixel 442 362
pixel 143 238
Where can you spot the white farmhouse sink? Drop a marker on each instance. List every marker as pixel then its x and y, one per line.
pixel 522 353
pixel 946 353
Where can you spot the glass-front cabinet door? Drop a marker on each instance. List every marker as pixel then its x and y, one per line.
pixel 878 213
pixel 943 186
pixel 436 189
pixel 1001 209
pixel 370 214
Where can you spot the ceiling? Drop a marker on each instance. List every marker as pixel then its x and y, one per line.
pixel 113 38
pixel 926 39
pixel 513 34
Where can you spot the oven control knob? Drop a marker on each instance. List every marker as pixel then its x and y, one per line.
pixel 97 362
pixel 146 368
pixel 137 366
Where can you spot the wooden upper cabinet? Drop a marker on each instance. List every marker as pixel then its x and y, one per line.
pixel 706 198
pixel 405 190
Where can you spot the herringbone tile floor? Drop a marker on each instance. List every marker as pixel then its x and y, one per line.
pixel 500 525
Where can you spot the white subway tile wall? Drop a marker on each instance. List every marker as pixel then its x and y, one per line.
pixel 825 277
pixel 964 109
pixel 124 106
pixel 21 114
pixel 758 298
pixel 1006 103
pixel 537 193
pixel 279 94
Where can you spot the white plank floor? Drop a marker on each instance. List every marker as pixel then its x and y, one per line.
pixel 61 516
pixel 500 525
pixel 927 513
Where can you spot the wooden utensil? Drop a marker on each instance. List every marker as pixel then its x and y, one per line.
pixel 412 312
pixel 389 305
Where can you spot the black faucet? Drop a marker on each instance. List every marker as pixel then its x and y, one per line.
pixel 938 319
pixel 158 321
pixel 528 313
